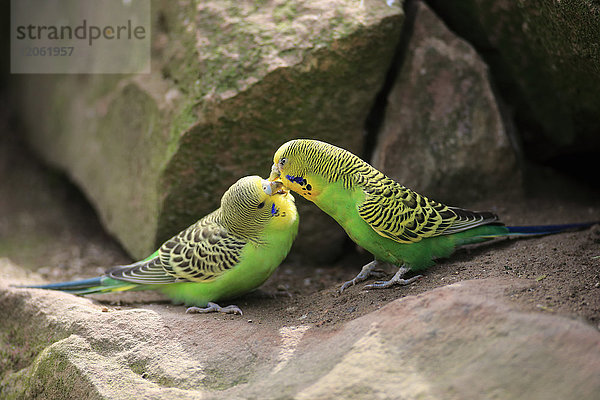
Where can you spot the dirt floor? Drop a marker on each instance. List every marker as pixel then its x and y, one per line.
pixel 46 225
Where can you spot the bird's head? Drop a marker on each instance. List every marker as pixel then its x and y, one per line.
pixel 292 161
pixel 252 202
pixel 300 164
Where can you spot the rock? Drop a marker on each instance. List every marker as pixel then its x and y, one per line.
pixel 444 134
pixel 463 341
pixel 546 60
pixel 230 83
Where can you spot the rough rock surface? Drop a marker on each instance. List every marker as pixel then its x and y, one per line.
pixel 303 341
pixel 546 59
pixel 230 82
pixel 443 126
pixel 460 341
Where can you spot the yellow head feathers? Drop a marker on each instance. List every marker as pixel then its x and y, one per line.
pixel 252 203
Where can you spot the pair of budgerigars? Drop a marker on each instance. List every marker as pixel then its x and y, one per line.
pixel 237 247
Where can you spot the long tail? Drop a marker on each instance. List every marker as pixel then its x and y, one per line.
pixel 100 284
pixel 137 276
pixel 488 232
pixel 547 229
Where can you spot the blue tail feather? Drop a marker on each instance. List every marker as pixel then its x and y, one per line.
pixel 70 286
pixel 105 283
pixel 547 229
pixel 100 284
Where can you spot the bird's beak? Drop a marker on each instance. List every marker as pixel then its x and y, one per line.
pixel 275 173
pixel 273 187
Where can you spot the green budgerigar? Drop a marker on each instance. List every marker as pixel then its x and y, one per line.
pixel 229 252
pixel 395 224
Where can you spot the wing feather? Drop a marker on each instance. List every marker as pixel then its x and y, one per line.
pixel 400 214
pixel 200 253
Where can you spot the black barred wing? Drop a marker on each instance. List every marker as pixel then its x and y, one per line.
pixel 466 219
pixel 202 252
pixel 144 272
pixel 400 214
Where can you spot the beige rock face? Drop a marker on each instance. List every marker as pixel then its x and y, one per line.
pixel 231 81
pixel 459 342
pixel 443 133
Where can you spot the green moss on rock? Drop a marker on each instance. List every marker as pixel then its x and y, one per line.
pixel 231 82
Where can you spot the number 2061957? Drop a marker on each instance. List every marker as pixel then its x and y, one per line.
pixel 62 51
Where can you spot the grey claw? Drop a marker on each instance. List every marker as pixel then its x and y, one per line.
pixel 394 281
pixel 346 285
pixel 366 271
pixel 378 285
pixel 214 307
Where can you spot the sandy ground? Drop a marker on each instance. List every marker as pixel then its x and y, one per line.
pixel 47 226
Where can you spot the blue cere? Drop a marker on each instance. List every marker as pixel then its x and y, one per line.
pixel 298 179
pixel 274 210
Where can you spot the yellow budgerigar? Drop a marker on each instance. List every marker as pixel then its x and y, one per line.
pixel 229 252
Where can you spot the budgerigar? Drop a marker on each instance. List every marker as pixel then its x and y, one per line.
pixel 395 224
pixel 229 252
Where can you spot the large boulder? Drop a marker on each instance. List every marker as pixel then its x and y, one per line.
pixel 546 59
pixel 230 82
pixel 463 341
pixel 444 134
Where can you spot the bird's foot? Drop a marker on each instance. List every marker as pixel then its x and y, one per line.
pixel 396 280
pixel 214 307
pixel 366 272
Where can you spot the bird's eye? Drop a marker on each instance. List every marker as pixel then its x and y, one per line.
pixel 282 161
pixel 261 205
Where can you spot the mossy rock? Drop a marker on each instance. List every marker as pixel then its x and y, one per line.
pixel 546 61
pixel 230 82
